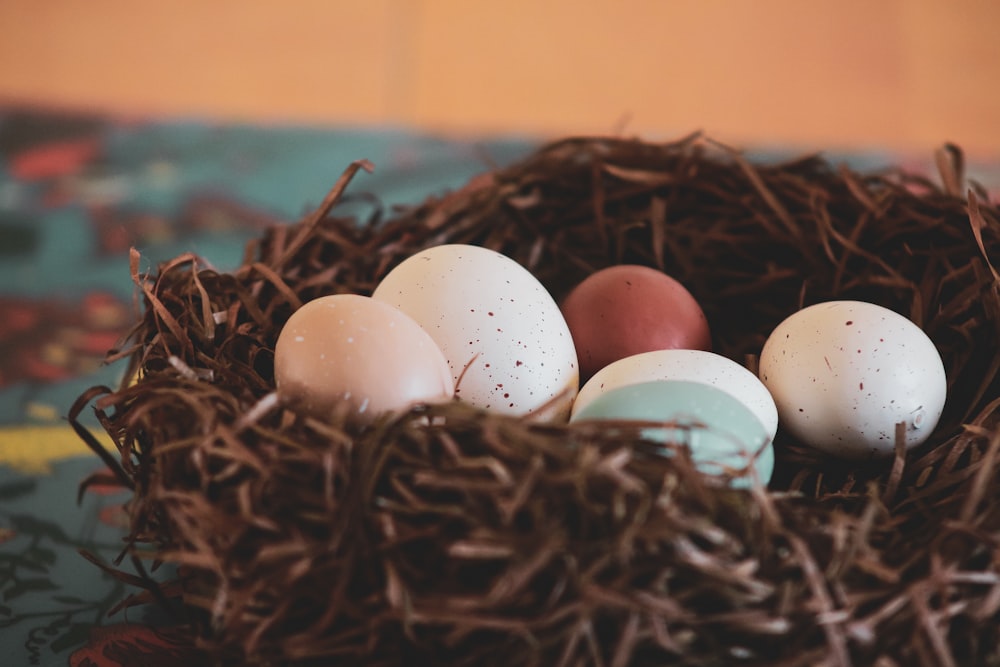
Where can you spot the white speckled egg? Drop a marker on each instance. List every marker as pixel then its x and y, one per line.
pixel 844 373
pixel 504 337
pixel 689 365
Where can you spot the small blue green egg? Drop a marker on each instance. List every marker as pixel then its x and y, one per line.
pixel 721 433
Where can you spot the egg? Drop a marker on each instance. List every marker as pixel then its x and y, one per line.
pixel 722 434
pixel 689 365
pixel 627 309
pixel 506 341
pixel 844 373
pixel 353 350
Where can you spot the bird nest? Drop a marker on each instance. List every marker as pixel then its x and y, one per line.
pixel 446 535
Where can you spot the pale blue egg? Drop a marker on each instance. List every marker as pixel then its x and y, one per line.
pixel 721 432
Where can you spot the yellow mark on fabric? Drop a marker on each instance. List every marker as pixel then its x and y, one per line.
pixel 32 449
pixel 42 412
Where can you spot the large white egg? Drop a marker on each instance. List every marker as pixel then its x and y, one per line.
pixel 844 373
pixel 504 337
pixel 688 365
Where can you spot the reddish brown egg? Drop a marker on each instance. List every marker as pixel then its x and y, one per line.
pixel 628 309
pixel 353 351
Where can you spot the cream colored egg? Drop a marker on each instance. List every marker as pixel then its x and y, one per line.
pixel 503 335
pixel 352 350
pixel 844 373
pixel 688 365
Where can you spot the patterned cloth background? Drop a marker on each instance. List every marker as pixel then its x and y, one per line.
pixel 76 192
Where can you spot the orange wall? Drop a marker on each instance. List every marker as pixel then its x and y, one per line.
pixel 906 74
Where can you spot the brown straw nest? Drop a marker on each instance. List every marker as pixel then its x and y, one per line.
pixel 481 539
